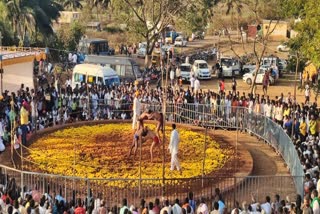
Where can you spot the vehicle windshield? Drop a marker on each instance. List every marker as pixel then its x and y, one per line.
pixel 93 47
pixel 110 81
pixel 203 65
pixel 226 62
pixel 185 68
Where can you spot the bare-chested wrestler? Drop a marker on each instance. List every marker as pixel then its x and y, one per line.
pixel 141 136
pixel 152 116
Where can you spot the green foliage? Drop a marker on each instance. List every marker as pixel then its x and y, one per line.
pixel 68 38
pixel 307 42
pixel 26 19
pixel 195 17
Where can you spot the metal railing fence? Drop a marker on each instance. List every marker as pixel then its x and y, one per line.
pixel 241 119
pixel 234 188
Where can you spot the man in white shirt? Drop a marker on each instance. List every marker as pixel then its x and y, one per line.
pixel 167 207
pixel 136 110
pixel 172 77
pixel 192 80
pixel 196 85
pixel 202 208
pixel 173 148
pixel 75 58
pixel 267 109
pixel 70 57
pixel 176 209
pixel 124 206
pixel 267 206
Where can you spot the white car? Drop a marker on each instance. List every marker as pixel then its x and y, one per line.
pixel 283 48
pixel 185 69
pixel 180 41
pixel 201 69
pixel 249 77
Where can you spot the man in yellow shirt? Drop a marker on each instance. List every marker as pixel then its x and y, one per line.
pixel 313 126
pixel 24 120
pixel 303 130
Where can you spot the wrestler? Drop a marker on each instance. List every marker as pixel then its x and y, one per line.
pixel 142 136
pixel 138 137
pixel 159 118
pixel 152 116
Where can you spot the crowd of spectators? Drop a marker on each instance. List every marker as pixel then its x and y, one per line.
pixel 12 201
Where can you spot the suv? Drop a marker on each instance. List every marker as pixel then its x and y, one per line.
pixel 201 69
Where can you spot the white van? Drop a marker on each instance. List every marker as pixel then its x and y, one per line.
pixel 90 73
pixel 185 69
pixel 201 69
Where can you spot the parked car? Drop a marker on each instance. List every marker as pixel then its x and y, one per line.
pixel 201 69
pixel 185 69
pixel 180 41
pixel 248 68
pixel 283 47
pixel 249 77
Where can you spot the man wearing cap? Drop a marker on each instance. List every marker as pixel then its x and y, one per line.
pixel 136 110
pixel 24 120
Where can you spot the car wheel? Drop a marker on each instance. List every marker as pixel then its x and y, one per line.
pixel 249 81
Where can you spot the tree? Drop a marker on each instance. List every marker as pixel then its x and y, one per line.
pixel 308 37
pixel 68 38
pixel 72 4
pixel 195 16
pixel 269 10
pixel 147 19
pixel 28 17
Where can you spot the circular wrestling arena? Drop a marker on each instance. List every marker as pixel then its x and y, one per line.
pixel 92 158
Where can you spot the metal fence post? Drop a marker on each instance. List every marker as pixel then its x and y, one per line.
pixel 88 188
pixel 21 183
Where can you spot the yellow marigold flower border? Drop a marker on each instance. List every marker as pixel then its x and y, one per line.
pixel 100 151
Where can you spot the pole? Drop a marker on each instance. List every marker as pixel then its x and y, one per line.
pixel 74 164
pixel 1 72
pixel 1 38
pixel 140 159
pixel 295 77
pixel 204 155
pixel 12 131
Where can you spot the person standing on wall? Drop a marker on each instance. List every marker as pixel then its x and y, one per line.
pixel 173 148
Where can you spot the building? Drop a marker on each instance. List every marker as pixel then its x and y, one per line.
pixel 277 30
pixel 68 17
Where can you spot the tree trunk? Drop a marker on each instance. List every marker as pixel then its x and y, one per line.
pixel 253 85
